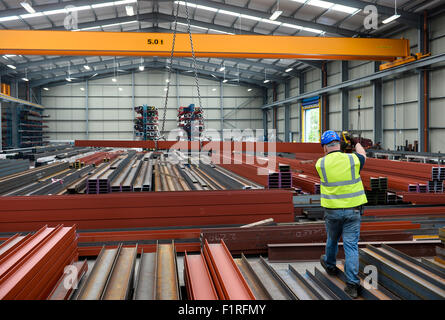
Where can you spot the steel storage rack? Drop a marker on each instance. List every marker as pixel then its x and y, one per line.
pixel 191 120
pixel 146 123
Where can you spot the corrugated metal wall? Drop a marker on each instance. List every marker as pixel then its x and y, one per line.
pixel 110 105
pixel 400 102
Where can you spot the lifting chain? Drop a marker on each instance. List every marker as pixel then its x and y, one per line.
pixel 171 64
pixel 169 74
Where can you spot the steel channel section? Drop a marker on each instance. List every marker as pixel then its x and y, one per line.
pixel 120 283
pixel 233 284
pixel 399 280
pixel 434 266
pixel 167 284
pixel 198 278
pixel 255 283
pixel 300 286
pixel 60 292
pixel 95 284
pixel 9 244
pixel 333 284
pixel 400 259
pixel 273 283
pixel 320 287
pixel 146 278
pixel 369 294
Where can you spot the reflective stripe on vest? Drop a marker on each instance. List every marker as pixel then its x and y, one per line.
pixel 343 196
pixel 339 183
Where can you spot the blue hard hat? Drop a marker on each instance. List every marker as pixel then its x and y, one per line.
pixel 329 136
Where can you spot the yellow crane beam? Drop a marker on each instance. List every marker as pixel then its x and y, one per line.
pixel 87 43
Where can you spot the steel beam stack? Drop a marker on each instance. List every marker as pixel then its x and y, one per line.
pixel 31 268
pixel 11 166
pixel 29 176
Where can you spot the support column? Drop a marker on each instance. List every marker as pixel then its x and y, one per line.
pixel 344 96
pixel 265 120
pixel 87 128
pixel 300 114
pixel 287 137
pixel 133 101
pixel 1 137
pixel 378 107
pixel 324 99
pixel 221 103
pixel 424 89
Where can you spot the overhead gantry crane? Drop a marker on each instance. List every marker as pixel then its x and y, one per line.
pixel 88 43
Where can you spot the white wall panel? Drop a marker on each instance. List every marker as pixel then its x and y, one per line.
pixel 111 113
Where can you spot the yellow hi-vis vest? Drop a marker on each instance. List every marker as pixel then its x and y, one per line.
pixel 341 185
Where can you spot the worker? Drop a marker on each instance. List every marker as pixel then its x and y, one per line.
pixel 342 196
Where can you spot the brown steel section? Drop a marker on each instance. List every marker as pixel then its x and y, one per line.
pixel 167 286
pixel 96 282
pixel 61 292
pixel 120 283
pixel 312 251
pixel 254 282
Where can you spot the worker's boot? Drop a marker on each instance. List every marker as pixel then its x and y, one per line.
pixel 332 271
pixel 352 290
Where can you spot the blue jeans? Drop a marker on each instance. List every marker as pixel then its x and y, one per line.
pixel 345 223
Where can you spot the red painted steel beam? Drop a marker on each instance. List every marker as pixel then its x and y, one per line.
pixel 160 209
pixel 17 278
pixel 93 251
pixel 198 276
pixel 207 145
pixel 229 277
pixel 423 198
pixel 138 235
pixel 414 211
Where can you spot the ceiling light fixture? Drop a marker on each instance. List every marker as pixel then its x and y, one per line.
pixel 82 89
pixel 395 16
pixel 46 89
pixel 114 79
pixel 265 77
pixel 25 78
pixel 288 69
pixel 225 80
pixel 276 13
pixel 87 67
pixel 329 5
pixel 130 10
pixel 250 89
pixel 11 66
pixel 28 7
pixel 141 68
pixel 213 89
pixel 231 13
pixel 68 79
